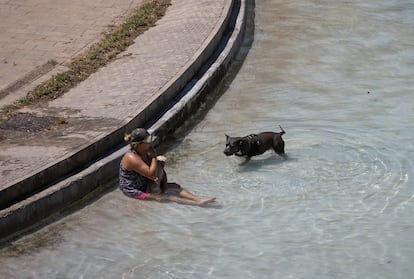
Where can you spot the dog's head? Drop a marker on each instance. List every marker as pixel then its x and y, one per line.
pixel 232 145
pixel 236 146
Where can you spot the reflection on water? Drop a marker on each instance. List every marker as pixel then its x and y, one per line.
pixel 337 76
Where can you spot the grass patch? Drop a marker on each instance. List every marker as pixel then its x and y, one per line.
pixel 98 55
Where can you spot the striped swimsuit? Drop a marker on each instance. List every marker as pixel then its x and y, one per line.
pixel 132 183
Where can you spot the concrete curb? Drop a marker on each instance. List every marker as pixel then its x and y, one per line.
pixel 22 215
pixel 41 179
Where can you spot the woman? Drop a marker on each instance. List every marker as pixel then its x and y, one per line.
pixel 142 176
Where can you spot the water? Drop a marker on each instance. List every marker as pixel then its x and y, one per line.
pixel 337 75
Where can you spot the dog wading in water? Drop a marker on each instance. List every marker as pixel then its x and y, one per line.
pixel 255 144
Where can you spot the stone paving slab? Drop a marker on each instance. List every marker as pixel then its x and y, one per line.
pixel 35 32
pixel 112 98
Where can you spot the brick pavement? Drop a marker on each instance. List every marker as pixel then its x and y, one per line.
pixel 36 34
pixel 125 93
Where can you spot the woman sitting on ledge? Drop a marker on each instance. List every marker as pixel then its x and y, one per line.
pixel 142 175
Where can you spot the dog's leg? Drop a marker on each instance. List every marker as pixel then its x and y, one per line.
pixel 245 161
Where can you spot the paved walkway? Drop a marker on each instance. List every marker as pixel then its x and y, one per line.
pixel 92 118
pixel 35 33
pixel 46 168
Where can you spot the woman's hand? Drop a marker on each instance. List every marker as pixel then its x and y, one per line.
pixel 161 158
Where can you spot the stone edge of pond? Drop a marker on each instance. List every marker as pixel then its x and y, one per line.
pixel 26 215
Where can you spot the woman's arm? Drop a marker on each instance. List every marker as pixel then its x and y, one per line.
pixel 133 162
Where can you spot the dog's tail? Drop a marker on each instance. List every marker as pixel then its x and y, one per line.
pixel 282 131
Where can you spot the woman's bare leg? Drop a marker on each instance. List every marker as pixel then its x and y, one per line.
pixel 181 200
pixel 179 192
pixel 188 195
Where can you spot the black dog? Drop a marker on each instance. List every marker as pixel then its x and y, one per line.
pixel 253 144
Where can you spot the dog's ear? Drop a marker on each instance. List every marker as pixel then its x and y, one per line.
pixel 227 137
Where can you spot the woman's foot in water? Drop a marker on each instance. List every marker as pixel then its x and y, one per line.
pixel 210 201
